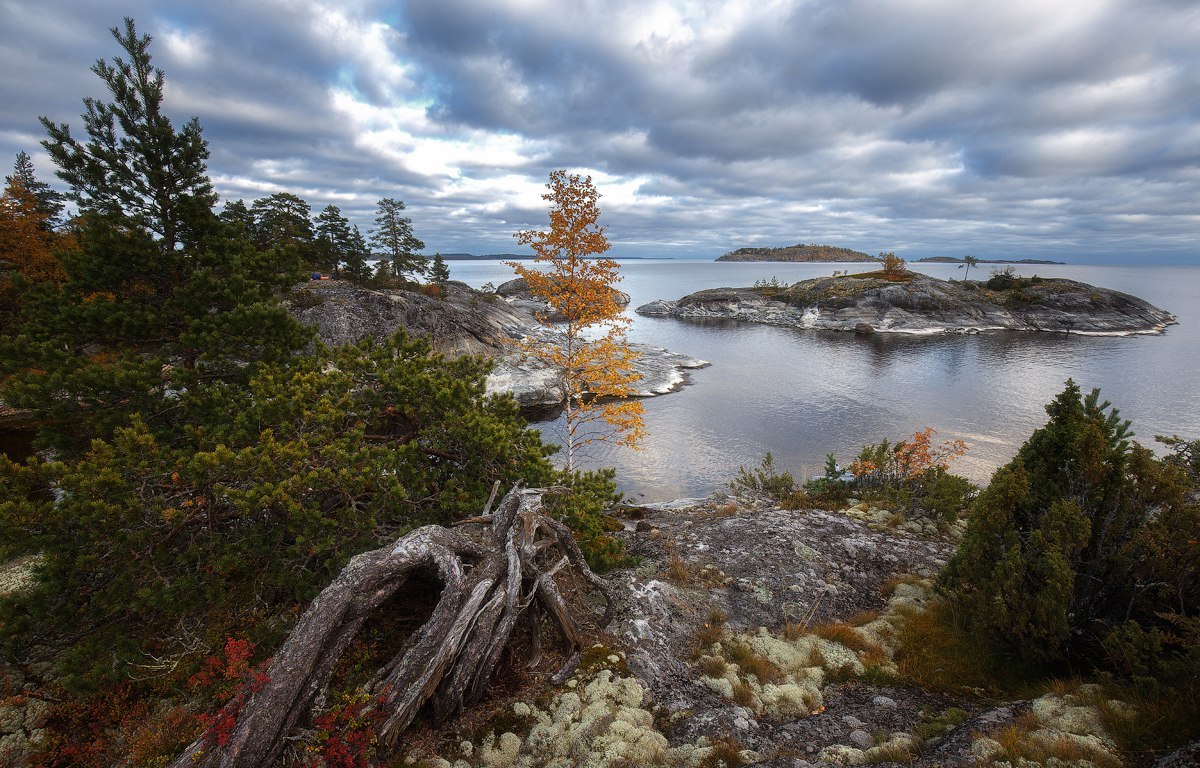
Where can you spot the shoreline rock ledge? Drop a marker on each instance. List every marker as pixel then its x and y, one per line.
pixel 926 305
pixel 464 321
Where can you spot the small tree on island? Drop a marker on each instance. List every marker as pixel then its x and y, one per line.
pixel 596 371
pixel 968 262
pixel 893 266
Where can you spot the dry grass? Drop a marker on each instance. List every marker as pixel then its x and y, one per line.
pixel 1166 718
pixel 935 651
pixel 894 753
pixel 726 753
pixel 844 634
pixel 712 666
pixel 1016 743
pixel 677 571
pixel 751 663
pixel 743 694
pixel 712 632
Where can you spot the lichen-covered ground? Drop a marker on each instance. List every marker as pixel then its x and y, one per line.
pixel 752 635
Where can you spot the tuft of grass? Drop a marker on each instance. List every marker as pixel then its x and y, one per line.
pixel 743 694
pixel 890 753
pixel 935 651
pixel 678 571
pixel 712 666
pixel 751 663
pixel 844 634
pixel 712 632
pixel 726 753
pixel 1166 718
pixel 1017 744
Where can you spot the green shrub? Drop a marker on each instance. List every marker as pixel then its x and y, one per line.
pixel 764 480
pixel 1082 530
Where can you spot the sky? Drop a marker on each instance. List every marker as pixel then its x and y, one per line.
pixel 995 128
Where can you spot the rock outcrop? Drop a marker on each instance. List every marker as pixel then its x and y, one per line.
pixel 464 321
pixel 923 304
pixel 516 292
pixel 749 634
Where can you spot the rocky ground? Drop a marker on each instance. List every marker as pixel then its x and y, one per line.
pixel 753 635
pixel 924 305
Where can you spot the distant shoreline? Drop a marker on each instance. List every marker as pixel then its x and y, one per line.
pixel 956 260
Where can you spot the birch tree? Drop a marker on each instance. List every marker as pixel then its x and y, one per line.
pixel 588 349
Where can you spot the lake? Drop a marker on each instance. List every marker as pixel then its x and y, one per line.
pixel 803 394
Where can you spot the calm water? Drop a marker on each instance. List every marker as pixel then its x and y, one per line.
pixel 802 394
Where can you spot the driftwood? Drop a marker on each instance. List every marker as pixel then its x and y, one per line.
pixel 491 583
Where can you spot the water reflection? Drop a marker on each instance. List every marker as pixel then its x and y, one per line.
pixel 801 394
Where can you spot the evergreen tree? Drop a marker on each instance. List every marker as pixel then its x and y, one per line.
pixel 141 315
pixel 1048 562
pixel 49 203
pixel 282 220
pixel 438 271
pixel 393 236
pixel 236 215
pixel 334 239
pixel 256 506
pixel 136 166
pixel 356 257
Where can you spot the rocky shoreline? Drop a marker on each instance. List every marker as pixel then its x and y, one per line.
pixel 464 321
pixel 925 305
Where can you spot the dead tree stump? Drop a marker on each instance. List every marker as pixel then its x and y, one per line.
pixel 490 584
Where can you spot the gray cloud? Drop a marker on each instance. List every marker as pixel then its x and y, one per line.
pixel 998 128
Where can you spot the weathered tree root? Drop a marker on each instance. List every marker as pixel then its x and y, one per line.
pixel 490 584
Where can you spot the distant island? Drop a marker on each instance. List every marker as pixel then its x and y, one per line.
pixel 491 256
pixel 797 253
pixel 510 257
pixel 956 260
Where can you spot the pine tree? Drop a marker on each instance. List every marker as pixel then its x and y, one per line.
pixel 136 166
pixel 594 363
pixel 334 240
pixel 236 215
pixel 283 220
pixel 393 236
pixel 49 202
pixel 438 271
pixel 157 297
pixel 356 257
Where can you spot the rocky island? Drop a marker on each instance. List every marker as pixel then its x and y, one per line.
pixel 917 303
pixel 798 253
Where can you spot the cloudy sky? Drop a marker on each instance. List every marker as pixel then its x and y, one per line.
pixel 997 128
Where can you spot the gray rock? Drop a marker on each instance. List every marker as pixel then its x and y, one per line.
pixel 885 702
pixel 1185 757
pixel 926 305
pixel 861 739
pixel 465 321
